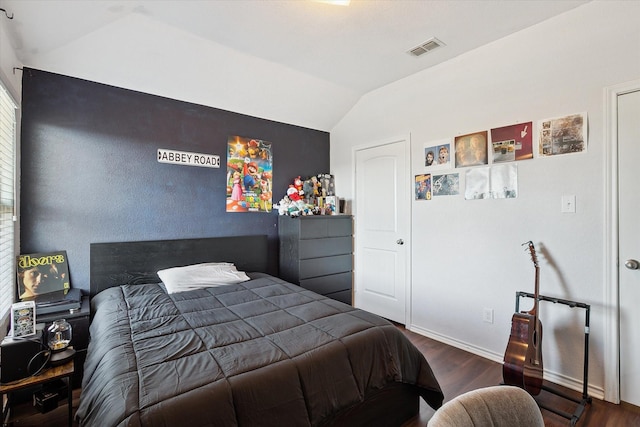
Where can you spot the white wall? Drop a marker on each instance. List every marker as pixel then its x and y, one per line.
pixel 467 255
pixel 12 81
pixel 161 60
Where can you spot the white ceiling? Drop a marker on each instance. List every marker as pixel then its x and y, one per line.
pixel 295 61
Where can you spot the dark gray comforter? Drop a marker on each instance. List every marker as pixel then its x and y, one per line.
pixel 263 352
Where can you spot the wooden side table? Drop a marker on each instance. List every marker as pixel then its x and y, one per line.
pixel 63 372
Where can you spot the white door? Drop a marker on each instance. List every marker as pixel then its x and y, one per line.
pixel 629 244
pixel 382 206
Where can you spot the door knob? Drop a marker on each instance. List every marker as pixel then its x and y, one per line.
pixel 632 264
pixel 401 242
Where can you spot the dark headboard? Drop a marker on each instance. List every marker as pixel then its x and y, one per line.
pixel 118 263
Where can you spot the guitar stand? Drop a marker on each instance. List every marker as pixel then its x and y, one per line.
pixel 585 399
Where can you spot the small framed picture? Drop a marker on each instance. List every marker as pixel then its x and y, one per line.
pixel 331 205
pixel 23 318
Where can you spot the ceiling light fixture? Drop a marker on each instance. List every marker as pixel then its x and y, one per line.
pixel 335 2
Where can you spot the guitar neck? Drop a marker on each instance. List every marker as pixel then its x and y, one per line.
pixel 534 310
pixel 534 258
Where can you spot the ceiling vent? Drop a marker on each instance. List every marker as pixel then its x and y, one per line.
pixel 428 46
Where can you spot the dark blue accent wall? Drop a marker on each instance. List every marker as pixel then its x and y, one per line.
pixel 89 169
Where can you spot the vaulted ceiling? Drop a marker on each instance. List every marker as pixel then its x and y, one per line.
pixel 295 61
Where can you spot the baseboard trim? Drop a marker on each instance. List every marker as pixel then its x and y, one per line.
pixel 553 377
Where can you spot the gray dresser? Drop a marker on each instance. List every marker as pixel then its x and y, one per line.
pixel 316 252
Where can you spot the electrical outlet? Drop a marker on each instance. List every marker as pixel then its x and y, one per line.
pixel 487 315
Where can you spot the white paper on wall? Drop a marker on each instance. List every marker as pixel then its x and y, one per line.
pixel 495 182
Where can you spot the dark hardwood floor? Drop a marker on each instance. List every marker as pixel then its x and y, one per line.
pixel 457 371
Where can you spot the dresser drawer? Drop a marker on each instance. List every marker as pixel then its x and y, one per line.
pixel 324 285
pixel 329 246
pixel 325 226
pixel 315 267
pixel 342 296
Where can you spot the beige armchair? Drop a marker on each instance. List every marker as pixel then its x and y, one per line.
pixel 497 406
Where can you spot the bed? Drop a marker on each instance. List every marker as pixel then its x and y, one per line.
pixel 261 352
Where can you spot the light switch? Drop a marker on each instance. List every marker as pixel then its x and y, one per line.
pixel 568 203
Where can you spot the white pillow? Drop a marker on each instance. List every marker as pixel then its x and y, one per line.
pixel 198 276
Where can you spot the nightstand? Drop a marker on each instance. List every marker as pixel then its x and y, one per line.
pixel 79 322
pixel 63 372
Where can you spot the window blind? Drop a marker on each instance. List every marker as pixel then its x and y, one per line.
pixel 7 201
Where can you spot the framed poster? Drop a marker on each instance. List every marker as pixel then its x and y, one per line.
pixel 23 318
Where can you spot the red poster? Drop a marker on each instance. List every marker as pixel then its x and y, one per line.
pixel 513 142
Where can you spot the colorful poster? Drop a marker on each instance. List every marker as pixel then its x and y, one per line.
pixel 23 318
pixel 423 187
pixel 249 175
pixel 513 142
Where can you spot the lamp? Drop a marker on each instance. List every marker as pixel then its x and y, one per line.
pixel 58 339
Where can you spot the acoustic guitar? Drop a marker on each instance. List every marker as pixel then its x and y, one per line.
pixel 523 358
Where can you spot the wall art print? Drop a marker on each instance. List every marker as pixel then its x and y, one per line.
pixel 445 185
pixel 495 182
pixel 423 186
pixel 563 135
pixel 23 318
pixel 249 175
pixel 436 154
pixel 42 273
pixel 511 143
pixel 471 149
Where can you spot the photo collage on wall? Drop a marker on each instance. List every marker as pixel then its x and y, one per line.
pixel 488 157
